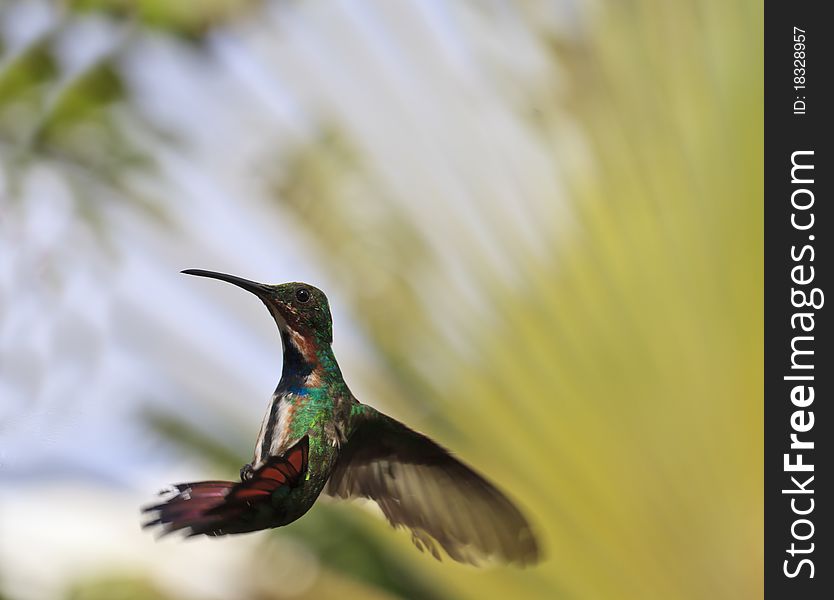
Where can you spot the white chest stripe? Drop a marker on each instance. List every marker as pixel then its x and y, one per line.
pixel 282 429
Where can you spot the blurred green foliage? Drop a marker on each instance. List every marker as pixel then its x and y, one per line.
pixel 96 88
pixel 187 18
pixel 618 392
pixel 115 587
pixel 67 120
pixel 26 72
pixel 39 106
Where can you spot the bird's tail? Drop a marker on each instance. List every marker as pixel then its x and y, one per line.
pixel 221 507
pixel 198 506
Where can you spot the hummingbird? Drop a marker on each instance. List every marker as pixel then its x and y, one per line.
pixel 318 438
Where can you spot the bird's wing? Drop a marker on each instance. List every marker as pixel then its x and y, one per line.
pixel 221 507
pixel 419 485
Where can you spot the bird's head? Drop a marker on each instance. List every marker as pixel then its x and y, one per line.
pixel 300 309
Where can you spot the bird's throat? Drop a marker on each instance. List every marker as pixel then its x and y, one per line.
pixel 308 362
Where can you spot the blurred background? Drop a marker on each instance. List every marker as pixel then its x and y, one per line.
pixel 539 224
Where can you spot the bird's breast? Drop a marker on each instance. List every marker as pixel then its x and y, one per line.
pixel 273 436
pixel 292 415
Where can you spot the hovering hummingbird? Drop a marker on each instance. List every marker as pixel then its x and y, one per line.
pixel 317 437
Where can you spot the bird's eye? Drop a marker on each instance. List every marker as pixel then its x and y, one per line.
pixel 302 295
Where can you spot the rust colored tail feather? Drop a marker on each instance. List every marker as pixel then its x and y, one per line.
pixel 200 507
pixel 222 507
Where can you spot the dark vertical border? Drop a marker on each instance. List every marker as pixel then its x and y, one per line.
pixel 791 252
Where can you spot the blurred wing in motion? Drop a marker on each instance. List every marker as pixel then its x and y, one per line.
pixel 419 485
pixel 222 507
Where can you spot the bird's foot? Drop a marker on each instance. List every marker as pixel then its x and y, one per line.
pixel 246 472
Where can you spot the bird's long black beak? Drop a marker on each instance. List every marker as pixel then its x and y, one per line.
pixel 259 289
